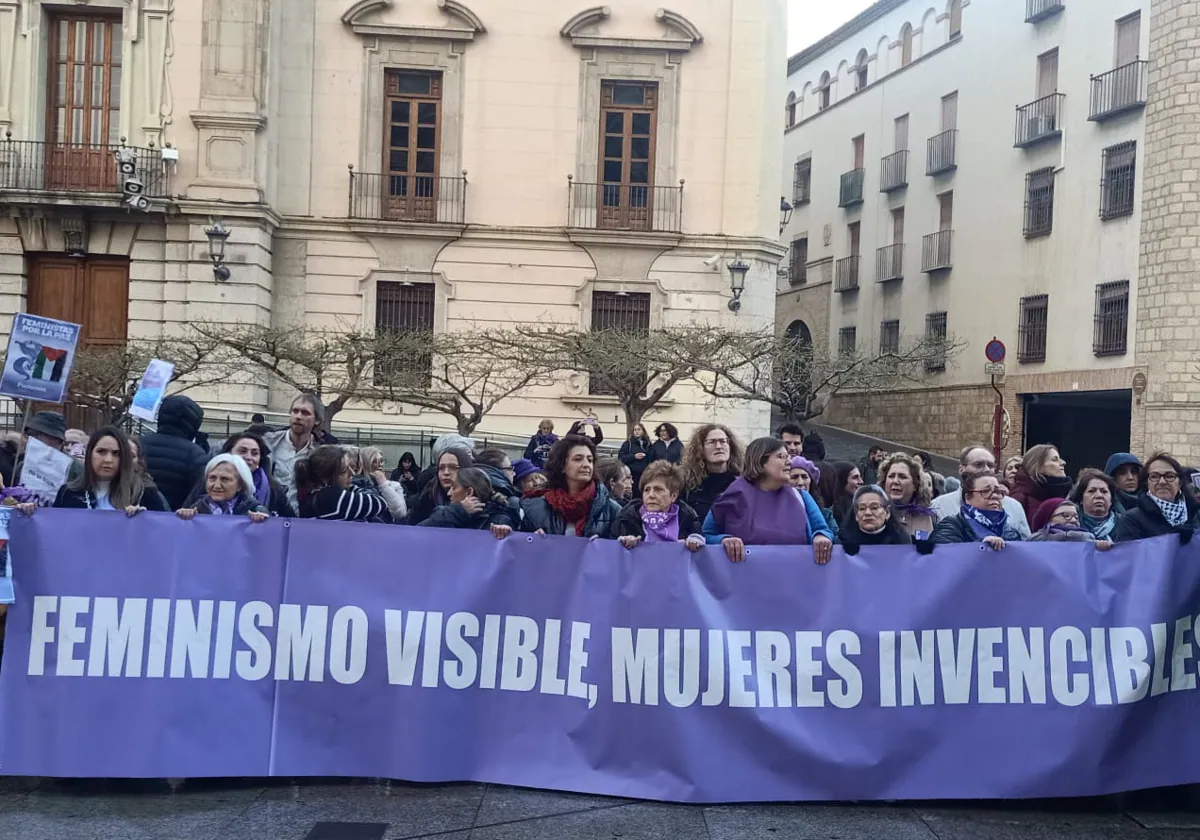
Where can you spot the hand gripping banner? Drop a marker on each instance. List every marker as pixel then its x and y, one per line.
pixel 154 647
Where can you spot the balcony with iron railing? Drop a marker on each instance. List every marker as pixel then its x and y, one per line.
pixel 845 274
pixel 941 153
pixel 624 207
pixel 850 193
pixel 893 172
pixel 936 251
pixel 76 170
pixel 1039 120
pixel 1119 91
pixel 1038 10
pixel 420 199
pixel 889 263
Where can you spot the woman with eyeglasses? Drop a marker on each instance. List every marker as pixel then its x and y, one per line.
pixel 873 521
pixel 981 517
pixel 712 459
pixel 1164 508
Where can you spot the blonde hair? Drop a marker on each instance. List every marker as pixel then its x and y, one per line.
pixel 1034 462
pixel 923 493
pixel 372 459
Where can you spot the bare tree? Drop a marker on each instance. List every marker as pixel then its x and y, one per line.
pixel 801 379
pixel 463 374
pixel 105 377
pixel 640 367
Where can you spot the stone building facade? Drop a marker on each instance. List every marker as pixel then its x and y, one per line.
pixel 380 163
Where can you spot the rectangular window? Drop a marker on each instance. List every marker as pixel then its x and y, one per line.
pixel 847 341
pixel 411 145
pixel 1128 39
pixel 1039 202
pixel 901 133
pixel 1116 187
pixel 950 111
pixel 1031 329
pixel 405 308
pixel 622 312
pixel 854 238
pixel 946 210
pixel 84 96
pixel 628 126
pixel 797 260
pixel 802 182
pixel 860 145
pixel 889 337
pixel 1112 319
pixel 935 337
pixel 1047 74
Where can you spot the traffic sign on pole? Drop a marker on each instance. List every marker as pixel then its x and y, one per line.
pixel 995 351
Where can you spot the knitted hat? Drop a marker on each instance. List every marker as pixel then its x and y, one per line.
pixel 801 463
pixel 1041 518
pixel 522 469
pixel 1121 459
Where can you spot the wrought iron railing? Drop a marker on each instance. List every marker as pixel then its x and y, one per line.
pixel 845 274
pixel 889 262
pixel 893 171
pixel 630 207
pixel 389 197
pixel 1119 90
pixel 1111 335
pixel 39 166
pixel 1039 120
pixel 1036 10
pixel 936 251
pixel 851 190
pixel 941 152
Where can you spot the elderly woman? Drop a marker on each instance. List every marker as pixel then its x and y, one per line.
pixel 762 508
pixel 539 445
pixel 981 517
pixel 269 493
pixel 573 503
pixel 660 516
pixel 668 446
pixel 474 505
pixel 907 485
pixel 228 491
pixel 1042 476
pixel 617 477
pixel 1057 520
pixel 1126 472
pixel 437 492
pixel 1012 466
pixel 526 477
pixel 873 521
pixel 712 459
pixel 1164 508
pixel 323 481
pixel 1093 493
pixel 110 479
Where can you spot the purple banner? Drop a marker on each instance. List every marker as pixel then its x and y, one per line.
pixel 159 648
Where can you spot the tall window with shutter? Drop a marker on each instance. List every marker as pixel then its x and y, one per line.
pixel 405 308
pixel 628 122
pixel 1032 327
pixel 621 312
pixel 411 147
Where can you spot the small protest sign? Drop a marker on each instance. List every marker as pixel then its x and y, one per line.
pixel 40 354
pixel 152 389
pixel 44 470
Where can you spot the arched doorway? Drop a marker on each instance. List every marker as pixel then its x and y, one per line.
pixel 793 374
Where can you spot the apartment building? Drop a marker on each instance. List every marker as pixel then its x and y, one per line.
pixel 975 170
pixel 387 164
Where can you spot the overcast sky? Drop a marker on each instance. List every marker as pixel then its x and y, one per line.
pixel 812 20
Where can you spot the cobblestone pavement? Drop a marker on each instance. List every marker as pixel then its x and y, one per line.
pixel 39 809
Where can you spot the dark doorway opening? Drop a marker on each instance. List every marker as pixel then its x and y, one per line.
pixel 1086 426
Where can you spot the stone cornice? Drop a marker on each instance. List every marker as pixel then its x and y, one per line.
pixel 229 119
pixel 356 17
pixel 581 29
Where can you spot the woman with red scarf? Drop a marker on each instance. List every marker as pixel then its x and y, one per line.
pixel 573 503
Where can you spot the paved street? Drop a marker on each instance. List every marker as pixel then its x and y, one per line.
pixel 35 809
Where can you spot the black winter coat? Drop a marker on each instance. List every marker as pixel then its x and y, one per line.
pixel 714 484
pixel 1146 521
pixel 539 516
pixel 495 512
pixel 629 522
pixel 956 529
pixel 630 450
pixel 85 500
pixel 672 451
pixel 425 503
pixel 243 505
pixel 277 505
pixel 501 486
pixel 172 459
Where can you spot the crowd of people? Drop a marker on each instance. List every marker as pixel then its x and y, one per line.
pixel 708 490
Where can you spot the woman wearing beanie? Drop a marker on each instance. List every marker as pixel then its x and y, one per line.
pixel 1126 472
pixel 1057 520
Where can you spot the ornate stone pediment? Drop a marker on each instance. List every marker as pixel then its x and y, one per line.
pixel 364 19
pixel 584 31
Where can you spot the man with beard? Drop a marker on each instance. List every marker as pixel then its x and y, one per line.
pixel 295 442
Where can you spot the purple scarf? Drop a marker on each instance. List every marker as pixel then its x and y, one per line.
pixel 761 517
pixel 262 487
pixel 661 527
pixel 220 508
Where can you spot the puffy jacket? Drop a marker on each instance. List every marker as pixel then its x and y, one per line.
pixel 629 523
pixel 1146 521
pixel 503 487
pixel 83 499
pixel 539 516
pixel 495 512
pixel 243 505
pixel 956 529
pixel 172 459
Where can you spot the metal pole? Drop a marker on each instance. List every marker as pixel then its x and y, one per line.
pixel 998 424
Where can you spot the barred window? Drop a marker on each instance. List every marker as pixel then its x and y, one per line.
pixel 935 337
pixel 802 182
pixel 889 337
pixel 1112 319
pixel 404 307
pixel 625 311
pixel 1034 318
pixel 797 261
pixel 847 341
pixel 1039 202
pixel 1116 187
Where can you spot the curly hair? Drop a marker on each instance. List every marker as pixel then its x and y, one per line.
pixel 556 461
pixel 916 470
pixel 693 465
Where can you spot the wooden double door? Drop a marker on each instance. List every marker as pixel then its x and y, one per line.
pixel 90 291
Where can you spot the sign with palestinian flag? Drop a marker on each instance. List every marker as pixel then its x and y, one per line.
pixel 40 354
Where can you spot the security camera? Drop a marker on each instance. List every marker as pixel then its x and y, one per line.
pixel 713 261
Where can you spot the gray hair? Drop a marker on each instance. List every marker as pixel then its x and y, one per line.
pixel 314 402
pixel 448 442
pixel 871 490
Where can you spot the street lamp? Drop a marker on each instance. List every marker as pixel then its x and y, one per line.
pixel 737 281
pixel 218 235
pixel 785 213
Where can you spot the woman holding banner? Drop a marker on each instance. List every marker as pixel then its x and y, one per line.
pixel 110 479
pixel 762 508
pixel 981 518
pixel 1164 508
pixel 573 503
pixel 228 491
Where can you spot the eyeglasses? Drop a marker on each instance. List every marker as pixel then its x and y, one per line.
pixel 716 442
pixel 992 493
pixel 1162 478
